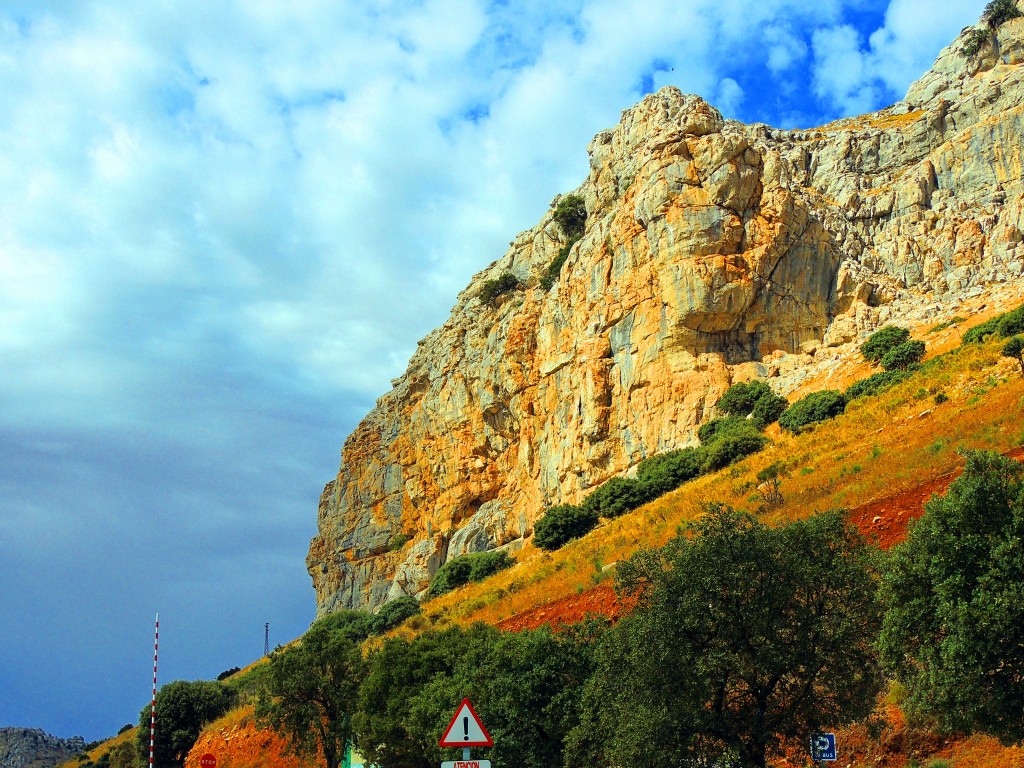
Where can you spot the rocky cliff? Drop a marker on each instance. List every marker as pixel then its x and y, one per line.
pixel 713 251
pixel 33 748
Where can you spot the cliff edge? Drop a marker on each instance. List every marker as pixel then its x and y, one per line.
pixel 712 252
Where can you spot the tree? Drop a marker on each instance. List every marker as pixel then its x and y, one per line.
pixel 954 627
pixel 1015 348
pixel 746 638
pixel 882 340
pixel 524 685
pixel 812 408
pixel 182 709
pixel 755 399
pixel 998 12
pixel 903 356
pixel 310 688
pixel 561 524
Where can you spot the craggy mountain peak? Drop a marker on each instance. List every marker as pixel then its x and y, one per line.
pixel 713 252
pixel 33 748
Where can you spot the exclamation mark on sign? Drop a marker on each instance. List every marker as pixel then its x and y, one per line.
pixel 465 728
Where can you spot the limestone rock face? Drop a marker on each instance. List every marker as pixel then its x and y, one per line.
pixel 713 251
pixel 33 748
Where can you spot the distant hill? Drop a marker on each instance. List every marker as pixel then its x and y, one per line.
pixel 33 748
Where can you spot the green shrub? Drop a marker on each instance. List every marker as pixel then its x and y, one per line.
pixel 393 613
pixel 904 356
pixel 730 446
pixel 475 566
pixel 1015 348
pixel 554 269
pixel 561 524
pixel 875 384
pixel 815 407
pixel 883 340
pixel 492 289
pixel 1005 325
pixel 974 42
pixel 753 398
pixel 571 216
pixel 620 495
pixel 716 427
pixel 998 12
pixel 1011 323
pixel 668 471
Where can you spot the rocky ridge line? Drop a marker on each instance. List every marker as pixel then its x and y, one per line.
pixel 713 252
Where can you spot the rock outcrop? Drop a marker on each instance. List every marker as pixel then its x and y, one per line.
pixel 713 252
pixel 33 748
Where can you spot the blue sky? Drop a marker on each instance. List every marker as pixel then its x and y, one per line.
pixel 224 227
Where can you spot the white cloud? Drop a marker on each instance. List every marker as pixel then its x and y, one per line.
pixel 858 74
pixel 224 226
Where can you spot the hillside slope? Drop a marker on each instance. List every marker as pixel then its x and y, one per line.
pixel 712 252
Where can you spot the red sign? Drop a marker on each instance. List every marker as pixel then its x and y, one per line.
pixel 208 761
pixel 465 729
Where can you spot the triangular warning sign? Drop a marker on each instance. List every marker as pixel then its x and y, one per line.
pixel 465 729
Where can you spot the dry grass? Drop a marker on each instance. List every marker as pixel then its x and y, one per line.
pixel 879 447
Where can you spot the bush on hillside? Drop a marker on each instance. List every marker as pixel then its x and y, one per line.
pixel 1003 326
pixel 707 433
pixel 1014 348
pixel 393 613
pixel 670 470
pixel 904 356
pixel 619 495
pixel 475 566
pixel 815 407
pixel 561 524
pixel 883 340
pixel 752 398
pixel 998 12
pixel 875 384
pixel 492 289
pixel 554 269
pixel 571 215
pixel 731 446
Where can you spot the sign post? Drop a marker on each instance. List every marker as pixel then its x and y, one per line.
pixel 823 747
pixel 465 730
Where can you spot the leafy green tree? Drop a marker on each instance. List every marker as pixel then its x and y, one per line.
pixel 954 626
pixel 753 398
pixel 311 687
pixel 561 524
pixel 475 566
pixel 882 340
pixel 746 638
pixel 1015 348
pixel 998 12
pixel 571 216
pixel 904 356
pixel 393 613
pixel 875 384
pixel 524 686
pixel 492 289
pixel 812 408
pixel 671 469
pixel 182 709
pixel 384 726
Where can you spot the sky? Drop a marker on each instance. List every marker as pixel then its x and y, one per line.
pixel 225 225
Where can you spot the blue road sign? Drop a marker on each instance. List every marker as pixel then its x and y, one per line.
pixel 823 746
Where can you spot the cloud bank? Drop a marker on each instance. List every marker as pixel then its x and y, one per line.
pixel 223 228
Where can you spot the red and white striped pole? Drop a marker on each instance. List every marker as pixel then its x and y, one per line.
pixel 152 709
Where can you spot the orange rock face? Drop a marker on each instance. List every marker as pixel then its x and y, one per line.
pixel 713 252
pixel 236 743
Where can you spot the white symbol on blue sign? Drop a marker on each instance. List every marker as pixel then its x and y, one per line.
pixel 823 746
